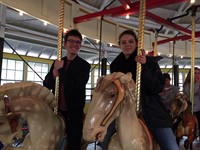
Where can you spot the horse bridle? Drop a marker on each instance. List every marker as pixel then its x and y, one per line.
pixel 10 115
pixel 118 100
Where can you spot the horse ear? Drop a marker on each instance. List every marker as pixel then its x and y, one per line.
pixel 126 78
pixel 129 74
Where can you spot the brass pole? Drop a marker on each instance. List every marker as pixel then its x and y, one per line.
pixel 140 47
pixel 59 52
pixel 192 58
pixel 155 49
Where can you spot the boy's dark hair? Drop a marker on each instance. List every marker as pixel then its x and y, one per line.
pixel 130 32
pixel 72 32
pixel 166 76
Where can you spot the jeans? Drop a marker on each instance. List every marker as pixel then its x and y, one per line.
pixel 165 138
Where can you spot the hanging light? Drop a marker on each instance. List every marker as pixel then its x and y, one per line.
pixel 97 41
pixel 45 23
pixel 127 16
pixel 21 13
pixel 64 30
pixel 127 6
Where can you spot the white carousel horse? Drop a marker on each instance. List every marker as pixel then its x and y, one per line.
pixel 34 103
pixel 112 99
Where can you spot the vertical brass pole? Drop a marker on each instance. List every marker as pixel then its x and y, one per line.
pixel 59 52
pixel 192 58
pixel 155 49
pixel 140 47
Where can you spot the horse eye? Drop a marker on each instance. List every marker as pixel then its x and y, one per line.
pixel 112 95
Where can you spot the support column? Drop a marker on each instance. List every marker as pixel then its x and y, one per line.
pixel 176 75
pixel 2 33
pixel 104 64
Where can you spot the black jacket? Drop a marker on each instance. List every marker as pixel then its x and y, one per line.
pixel 152 83
pixel 74 79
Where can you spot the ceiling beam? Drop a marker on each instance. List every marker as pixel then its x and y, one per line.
pixel 182 9
pixel 167 23
pixel 182 37
pixel 135 7
pixel 117 11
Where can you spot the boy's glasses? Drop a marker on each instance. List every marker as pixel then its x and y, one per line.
pixel 73 41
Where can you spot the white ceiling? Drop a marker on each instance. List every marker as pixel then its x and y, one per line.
pixel 28 35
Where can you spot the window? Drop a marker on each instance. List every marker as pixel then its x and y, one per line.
pixel 41 70
pixel 12 71
pixel 89 89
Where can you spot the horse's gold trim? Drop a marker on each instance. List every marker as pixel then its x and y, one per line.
pixel 120 97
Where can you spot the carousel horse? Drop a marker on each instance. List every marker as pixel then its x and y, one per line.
pixel 34 103
pixel 113 98
pixel 185 123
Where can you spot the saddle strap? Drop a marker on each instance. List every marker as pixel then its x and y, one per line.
pixel 147 132
pixel 13 118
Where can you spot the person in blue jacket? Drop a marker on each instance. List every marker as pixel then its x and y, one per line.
pixel 73 73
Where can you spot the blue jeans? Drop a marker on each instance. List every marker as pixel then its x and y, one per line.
pixel 165 138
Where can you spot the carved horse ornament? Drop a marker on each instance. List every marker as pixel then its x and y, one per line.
pixel 113 99
pixel 34 103
pixel 185 123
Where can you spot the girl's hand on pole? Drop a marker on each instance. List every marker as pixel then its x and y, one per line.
pixel 141 58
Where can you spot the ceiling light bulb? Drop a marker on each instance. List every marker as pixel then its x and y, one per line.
pixel 127 6
pixel 127 16
pixel 21 13
pixel 192 1
pixel 64 30
pixel 45 23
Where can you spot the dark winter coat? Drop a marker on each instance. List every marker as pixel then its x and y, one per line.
pixel 74 79
pixel 152 83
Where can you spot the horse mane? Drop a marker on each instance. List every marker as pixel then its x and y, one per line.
pixel 20 89
pixel 104 81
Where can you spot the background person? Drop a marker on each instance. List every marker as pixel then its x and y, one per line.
pixel 169 92
pixel 73 74
pixel 186 90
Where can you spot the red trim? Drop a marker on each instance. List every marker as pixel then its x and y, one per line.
pixel 167 23
pixel 117 11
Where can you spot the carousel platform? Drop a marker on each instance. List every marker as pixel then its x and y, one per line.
pixel 195 146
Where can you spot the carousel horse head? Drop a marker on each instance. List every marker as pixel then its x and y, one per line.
pixel 113 98
pixel 34 103
pixel 179 105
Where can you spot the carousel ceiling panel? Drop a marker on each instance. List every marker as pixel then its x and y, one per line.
pixel 30 36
